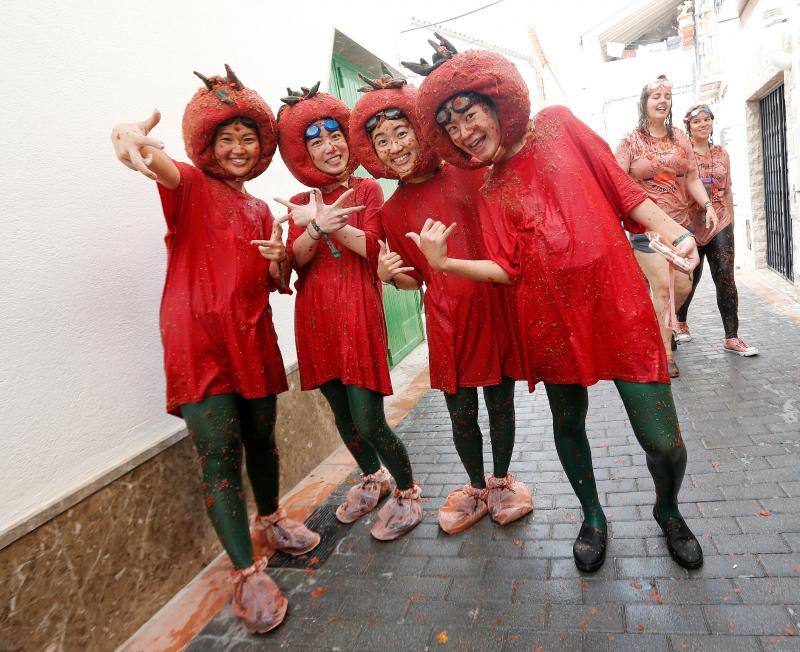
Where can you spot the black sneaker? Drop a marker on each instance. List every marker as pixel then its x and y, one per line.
pixel 589 549
pixel 683 546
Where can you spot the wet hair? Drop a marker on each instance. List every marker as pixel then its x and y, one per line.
pixel 242 120
pixel 687 119
pixel 642 126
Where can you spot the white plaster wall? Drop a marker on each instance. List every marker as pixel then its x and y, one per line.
pixel 610 97
pixel 82 268
pixel 745 48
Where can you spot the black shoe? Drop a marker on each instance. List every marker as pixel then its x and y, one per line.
pixel 589 549
pixel 683 546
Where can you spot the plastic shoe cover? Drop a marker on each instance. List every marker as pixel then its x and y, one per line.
pixel 738 346
pixel 277 531
pixel 257 600
pixel 682 332
pixel 508 499
pixel 365 496
pixel 463 508
pixel 401 514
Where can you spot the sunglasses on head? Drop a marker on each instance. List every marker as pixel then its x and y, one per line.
pixel 389 114
pixel 313 130
pixel 657 83
pixel 701 109
pixel 459 103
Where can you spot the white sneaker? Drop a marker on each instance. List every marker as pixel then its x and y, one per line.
pixel 738 346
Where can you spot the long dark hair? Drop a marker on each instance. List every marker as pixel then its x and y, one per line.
pixel 643 111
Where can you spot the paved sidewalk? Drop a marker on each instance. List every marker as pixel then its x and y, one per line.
pixel 517 588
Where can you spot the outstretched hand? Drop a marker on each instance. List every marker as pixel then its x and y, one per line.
pixel 390 264
pixel 272 249
pixel 328 217
pixel 129 138
pixel 432 242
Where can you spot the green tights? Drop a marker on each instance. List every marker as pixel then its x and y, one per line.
pixel 219 426
pixel 467 436
pixel 651 411
pixel 361 422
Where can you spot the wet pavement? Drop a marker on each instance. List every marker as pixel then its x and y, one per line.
pixel 516 587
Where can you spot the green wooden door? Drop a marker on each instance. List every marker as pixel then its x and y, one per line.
pixel 402 308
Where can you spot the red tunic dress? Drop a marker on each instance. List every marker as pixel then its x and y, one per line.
pixel 551 219
pixel 339 325
pixel 470 335
pixel 216 321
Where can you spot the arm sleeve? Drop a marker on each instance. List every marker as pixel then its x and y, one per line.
pixel 372 199
pixel 500 236
pixel 280 285
pixel 620 190
pixel 174 202
pixel 399 243
pixel 691 159
pixel 294 231
pixel 728 180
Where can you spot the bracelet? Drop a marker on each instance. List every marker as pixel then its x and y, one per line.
pixel 706 204
pixel 391 282
pixel 682 237
pixel 317 229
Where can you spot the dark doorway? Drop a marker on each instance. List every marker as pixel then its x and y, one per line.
pixel 776 184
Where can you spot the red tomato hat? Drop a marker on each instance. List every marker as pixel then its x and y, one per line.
pixel 480 71
pixel 380 95
pixel 299 111
pixel 221 99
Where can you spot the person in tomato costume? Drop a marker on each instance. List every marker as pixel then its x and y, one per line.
pixel 462 358
pixel 221 356
pixel 339 323
pixel 554 204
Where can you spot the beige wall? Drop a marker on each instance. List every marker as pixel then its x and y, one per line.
pixel 88 578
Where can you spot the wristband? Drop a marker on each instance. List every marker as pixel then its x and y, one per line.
pixel 309 234
pixel 323 234
pixel 682 237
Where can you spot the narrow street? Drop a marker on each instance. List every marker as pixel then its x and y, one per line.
pixel 517 588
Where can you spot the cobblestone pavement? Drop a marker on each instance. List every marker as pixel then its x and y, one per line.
pixel 517 588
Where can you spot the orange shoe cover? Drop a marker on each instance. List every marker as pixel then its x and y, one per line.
pixel 365 496
pixel 257 600
pixel 508 499
pixel 277 531
pixel 401 514
pixel 463 508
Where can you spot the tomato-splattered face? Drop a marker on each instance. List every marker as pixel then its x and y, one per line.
pixel 659 103
pixel 475 130
pixel 396 145
pixel 237 149
pixel 701 126
pixel 329 151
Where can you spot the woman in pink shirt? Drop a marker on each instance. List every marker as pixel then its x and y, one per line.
pixel 659 158
pixel 715 243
